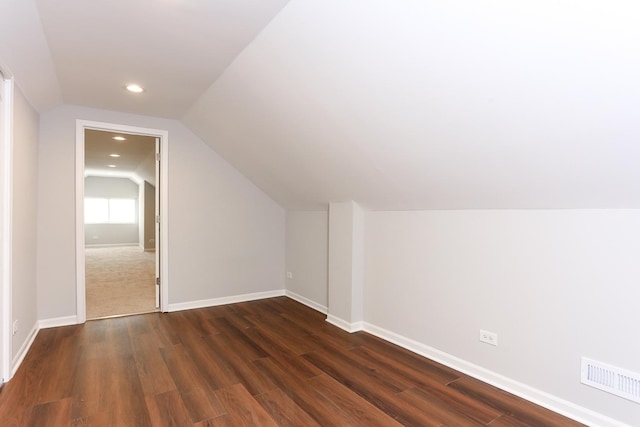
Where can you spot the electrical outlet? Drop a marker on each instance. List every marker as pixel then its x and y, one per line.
pixel 289 275
pixel 15 326
pixel 489 337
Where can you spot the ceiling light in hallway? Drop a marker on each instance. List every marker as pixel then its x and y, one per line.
pixel 135 88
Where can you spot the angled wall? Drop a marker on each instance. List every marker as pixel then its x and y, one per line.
pixel 418 105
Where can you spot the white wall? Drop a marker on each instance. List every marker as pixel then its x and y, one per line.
pixel 110 188
pixel 554 285
pixel 307 249
pixel 226 236
pixel 25 193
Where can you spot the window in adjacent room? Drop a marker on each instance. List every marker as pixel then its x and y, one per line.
pixel 109 211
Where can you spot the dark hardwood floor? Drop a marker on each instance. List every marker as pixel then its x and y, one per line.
pixel 273 362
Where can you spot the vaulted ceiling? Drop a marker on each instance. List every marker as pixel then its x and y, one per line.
pixel 396 104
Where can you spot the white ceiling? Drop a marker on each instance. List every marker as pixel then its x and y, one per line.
pixel 460 104
pixel 136 155
pixel 397 104
pixel 25 54
pixel 174 48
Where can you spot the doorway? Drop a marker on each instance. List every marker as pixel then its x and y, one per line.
pixel 121 240
pixel 119 223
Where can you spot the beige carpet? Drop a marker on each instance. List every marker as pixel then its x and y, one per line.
pixel 119 280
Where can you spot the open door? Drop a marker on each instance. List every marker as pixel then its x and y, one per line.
pixel 157 238
pixel 119 223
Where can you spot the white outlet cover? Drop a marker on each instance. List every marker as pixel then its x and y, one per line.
pixel 488 337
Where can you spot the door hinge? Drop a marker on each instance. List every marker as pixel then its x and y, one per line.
pixel 157 157
pixel 157 281
pixel 158 219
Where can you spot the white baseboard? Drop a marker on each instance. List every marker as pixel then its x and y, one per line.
pixel 224 300
pixel 556 404
pixel 58 321
pixel 41 324
pixel 343 324
pixel 24 349
pixel 111 245
pixel 306 301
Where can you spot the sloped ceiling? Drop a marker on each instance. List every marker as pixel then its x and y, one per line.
pixel 24 53
pixel 397 104
pixel 436 105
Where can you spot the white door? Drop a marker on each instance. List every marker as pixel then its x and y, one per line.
pixel 157 224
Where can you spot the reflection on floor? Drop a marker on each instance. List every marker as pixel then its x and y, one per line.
pixel 119 280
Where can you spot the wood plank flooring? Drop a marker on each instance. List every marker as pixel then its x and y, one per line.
pixel 272 362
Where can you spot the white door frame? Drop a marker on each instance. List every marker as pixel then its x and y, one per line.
pixel 156 225
pixel 6 209
pixel 81 125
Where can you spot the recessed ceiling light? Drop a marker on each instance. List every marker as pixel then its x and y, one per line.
pixel 119 138
pixel 112 166
pixel 135 88
pixel 114 155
